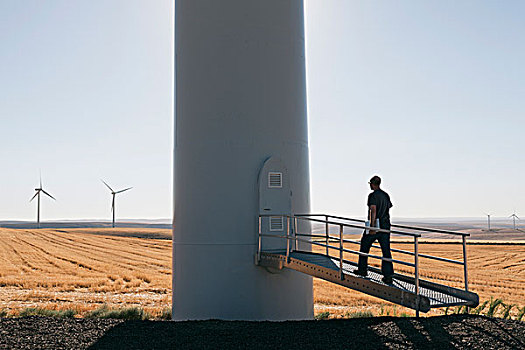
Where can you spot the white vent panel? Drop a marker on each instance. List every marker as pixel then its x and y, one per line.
pixel 276 223
pixel 275 180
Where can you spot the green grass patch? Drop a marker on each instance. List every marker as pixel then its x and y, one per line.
pixel 480 308
pixel 129 313
pixel 35 311
pixel 359 314
pixel 521 313
pixel 166 314
pixel 322 316
pixel 493 306
pixel 506 310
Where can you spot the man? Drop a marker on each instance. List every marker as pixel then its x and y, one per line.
pixel 378 208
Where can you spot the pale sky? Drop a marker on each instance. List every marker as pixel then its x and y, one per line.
pixel 427 94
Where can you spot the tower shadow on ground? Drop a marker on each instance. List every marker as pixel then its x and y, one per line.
pixel 444 332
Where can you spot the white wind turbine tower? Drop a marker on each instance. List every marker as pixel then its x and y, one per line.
pixel 114 193
pixel 488 220
pixel 514 217
pixel 39 190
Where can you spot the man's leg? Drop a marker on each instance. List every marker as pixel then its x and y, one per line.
pixel 387 268
pixel 366 244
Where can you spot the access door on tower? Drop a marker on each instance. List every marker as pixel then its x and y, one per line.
pixel 275 200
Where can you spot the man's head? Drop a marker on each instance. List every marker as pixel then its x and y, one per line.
pixel 375 182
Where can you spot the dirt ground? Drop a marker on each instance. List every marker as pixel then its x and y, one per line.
pixel 444 332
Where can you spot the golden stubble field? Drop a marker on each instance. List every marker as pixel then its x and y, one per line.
pixel 82 269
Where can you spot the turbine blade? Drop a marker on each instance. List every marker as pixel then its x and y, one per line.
pixel 129 188
pixel 40 178
pixel 113 204
pixel 36 194
pixel 107 185
pixel 49 194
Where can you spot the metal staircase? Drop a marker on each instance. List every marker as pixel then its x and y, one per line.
pixel 331 265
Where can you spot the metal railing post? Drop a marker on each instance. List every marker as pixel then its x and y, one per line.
pixel 326 233
pixel 416 272
pixel 465 270
pixel 295 233
pixel 287 239
pixel 341 252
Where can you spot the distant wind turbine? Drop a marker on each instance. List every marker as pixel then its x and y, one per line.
pixel 514 217
pixel 488 218
pixel 113 193
pixel 39 190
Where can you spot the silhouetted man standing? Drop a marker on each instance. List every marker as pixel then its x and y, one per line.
pixel 379 205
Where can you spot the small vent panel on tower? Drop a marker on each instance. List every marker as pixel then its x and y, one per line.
pixel 275 180
pixel 276 223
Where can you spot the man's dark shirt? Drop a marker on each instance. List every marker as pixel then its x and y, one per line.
pixel 381 200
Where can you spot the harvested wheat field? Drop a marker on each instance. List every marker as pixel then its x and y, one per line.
pixel 83 269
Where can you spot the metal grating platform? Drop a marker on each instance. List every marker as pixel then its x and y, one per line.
pixel 402 291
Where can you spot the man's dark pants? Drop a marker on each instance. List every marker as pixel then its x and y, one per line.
pixel 387 268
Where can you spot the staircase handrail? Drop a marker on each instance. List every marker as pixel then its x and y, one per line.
pixel 416 228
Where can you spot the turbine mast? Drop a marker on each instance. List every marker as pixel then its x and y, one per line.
pixel 240 100
pixel 113 195
pixel 514 217
pixel 38 210
pixel 113 210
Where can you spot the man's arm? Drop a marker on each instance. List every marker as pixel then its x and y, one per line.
pixel 372 213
